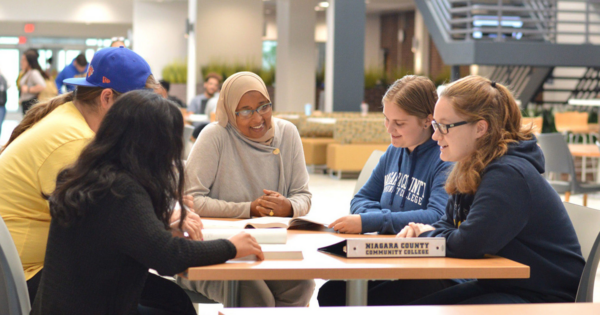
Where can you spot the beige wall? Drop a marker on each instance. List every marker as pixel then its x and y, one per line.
pixel 229 31
pixel 158 33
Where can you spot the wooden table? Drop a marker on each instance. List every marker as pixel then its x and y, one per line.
pixel 528 309
pixel 584 150
pixel 317 265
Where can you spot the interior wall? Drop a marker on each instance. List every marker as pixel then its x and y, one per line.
pixel 158 33
pixel 64 29
pixel 229 31
pixel 373 55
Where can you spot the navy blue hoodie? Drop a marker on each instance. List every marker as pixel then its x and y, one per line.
pixel 516 214
pixel 404 187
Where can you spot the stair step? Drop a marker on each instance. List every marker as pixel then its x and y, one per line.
pixel 565 78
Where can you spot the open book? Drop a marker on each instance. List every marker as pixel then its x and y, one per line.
pixel 276 252
pixel 301 223
pixel 262 236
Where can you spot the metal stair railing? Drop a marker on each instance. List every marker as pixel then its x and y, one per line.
pixel 501 20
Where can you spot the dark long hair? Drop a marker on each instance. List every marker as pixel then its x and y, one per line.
pixel 140 137
pixel 33 63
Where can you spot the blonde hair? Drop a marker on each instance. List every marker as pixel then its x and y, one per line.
pixel 84 95
pixel 413 94
pixel 476 98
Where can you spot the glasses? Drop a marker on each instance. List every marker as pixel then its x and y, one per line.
pixel 443 129
pixel 261 110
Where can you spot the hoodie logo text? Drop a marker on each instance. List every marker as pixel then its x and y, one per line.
pixel 413 191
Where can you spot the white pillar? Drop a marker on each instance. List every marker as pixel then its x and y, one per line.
pixel 296 60
pixel 191 50
pixel 345 52
pixel 421 45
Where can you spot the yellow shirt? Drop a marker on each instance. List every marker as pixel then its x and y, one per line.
pixel 28 169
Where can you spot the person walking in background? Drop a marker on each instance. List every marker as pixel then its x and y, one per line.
pixel 77 69
pixel 21 73
pixel 32 82
pixel 3 98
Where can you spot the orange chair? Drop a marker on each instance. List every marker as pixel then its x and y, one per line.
pixel 575 123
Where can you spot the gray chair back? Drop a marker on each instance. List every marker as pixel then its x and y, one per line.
pixel 187 144
pixel 14 297
pixel 586 222
pixel 585 291
pixel 365 173
pixel 558 160
pixel 556 153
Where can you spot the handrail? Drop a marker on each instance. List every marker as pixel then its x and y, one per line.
pixel 525 20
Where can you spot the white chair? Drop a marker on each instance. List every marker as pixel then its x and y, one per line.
pixel 585 291
pixel 14 297
pixel 586 222
pixel 187 144
pixel 365 173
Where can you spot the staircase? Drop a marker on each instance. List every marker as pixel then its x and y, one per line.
pixel 532 43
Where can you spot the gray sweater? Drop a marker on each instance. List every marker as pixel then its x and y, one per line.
pixel 226 171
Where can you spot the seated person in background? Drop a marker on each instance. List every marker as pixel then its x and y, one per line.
pixel 111 212
pixel 249 164
pixel 50 137
pixel 500 204
pixel 77 69
pixel 198 105
pixel 167 86
pixel 407 185
pixel 211 108
pixel 212 83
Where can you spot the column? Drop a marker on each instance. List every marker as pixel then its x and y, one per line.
pixel 191 51
pixel 344 61
pixel 296 58
pixel 420 45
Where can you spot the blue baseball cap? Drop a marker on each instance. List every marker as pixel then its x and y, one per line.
pixel 116 68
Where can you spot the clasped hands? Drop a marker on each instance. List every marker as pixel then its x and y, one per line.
pixel 271 204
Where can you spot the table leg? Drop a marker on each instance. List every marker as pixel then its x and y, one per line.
pixel 232 294
pixel 583 169
pixel 356 292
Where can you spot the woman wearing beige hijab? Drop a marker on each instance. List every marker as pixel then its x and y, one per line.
pixel 249 164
